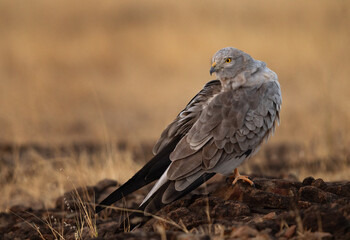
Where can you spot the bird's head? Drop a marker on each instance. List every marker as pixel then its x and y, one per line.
pixel 228 62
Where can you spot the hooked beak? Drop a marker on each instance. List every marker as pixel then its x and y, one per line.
pixel 212 69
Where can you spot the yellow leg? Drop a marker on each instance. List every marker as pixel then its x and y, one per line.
pixel 236 176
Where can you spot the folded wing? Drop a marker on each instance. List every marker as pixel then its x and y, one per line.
pixel 154 169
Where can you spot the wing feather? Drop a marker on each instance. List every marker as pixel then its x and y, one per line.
pixel 209 150
pixel 186 118
pixel 182 167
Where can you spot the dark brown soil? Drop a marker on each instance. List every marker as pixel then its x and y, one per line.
pixel 275 208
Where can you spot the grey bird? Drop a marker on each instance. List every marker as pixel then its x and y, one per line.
pixel 224 124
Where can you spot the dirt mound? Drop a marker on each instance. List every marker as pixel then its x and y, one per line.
pixel 272 209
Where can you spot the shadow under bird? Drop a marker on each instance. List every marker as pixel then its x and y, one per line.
pixel 224 124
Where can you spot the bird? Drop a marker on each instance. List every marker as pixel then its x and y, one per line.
pixel 223 125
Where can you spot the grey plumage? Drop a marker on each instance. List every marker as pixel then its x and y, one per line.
pixel 227 118
pixel 224 124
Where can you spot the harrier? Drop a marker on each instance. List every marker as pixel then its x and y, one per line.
pixel 224 124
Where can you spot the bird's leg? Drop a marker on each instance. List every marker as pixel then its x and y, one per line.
pixel 236 176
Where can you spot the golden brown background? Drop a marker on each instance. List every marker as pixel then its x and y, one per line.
pixel 109 71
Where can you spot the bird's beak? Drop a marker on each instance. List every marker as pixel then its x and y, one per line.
pixel 212 69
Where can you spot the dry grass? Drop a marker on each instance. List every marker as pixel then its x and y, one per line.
pixel 116 70
pixel 37 182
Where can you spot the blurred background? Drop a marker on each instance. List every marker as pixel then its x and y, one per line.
pixel 110 75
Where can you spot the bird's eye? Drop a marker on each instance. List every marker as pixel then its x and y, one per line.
pixel 228 60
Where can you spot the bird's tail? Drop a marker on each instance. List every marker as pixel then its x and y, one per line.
pixel 149 173
pixel 149 208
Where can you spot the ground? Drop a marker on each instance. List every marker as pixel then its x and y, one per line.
pixel 279 206
pixel 274 208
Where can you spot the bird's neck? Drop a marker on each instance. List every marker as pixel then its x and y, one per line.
pixel 232 83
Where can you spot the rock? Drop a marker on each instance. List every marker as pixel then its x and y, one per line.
pixel 319 183
pixel 19 208
pixel 339 188
pixel 314 194
pixel 325 218
pixel 308 181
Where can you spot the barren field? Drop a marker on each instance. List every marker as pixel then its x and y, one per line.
pixel 86 88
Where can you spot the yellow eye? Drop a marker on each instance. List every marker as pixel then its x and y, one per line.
pixel 228 60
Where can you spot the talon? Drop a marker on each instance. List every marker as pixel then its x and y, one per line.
pixel 236 176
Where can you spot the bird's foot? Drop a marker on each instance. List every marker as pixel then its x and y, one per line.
pixel 236 176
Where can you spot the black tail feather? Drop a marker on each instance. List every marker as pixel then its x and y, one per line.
pixel 152 171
